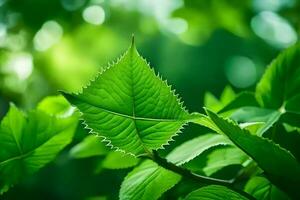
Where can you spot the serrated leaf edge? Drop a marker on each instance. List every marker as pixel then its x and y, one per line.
pixel 113 64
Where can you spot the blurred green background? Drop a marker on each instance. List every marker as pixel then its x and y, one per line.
pixel 197 45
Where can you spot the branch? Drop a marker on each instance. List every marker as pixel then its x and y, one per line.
pixel 196 177
pixel 187 173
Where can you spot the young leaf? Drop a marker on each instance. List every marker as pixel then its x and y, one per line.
pixel 90 146
pixel 211 102
pixel 147 181
pixel 262 189
pixel 130 106
pixel 214 192
pixel 193 148
pixel 28 143
pixel 268 155
pixel 280 85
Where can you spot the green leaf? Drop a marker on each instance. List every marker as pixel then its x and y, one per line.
pixel 241 100
pixel 262 189
pixel 280 85
pixel 269 156
pixel 215 159
pixel 56 105
pixel 147 181
pixel 193 148
pixel 119 160
pixel 214 192
pixel 28 143
pixel 289 140
pixel 90 146
pixel 211 102
pixel 255 114
pixel 130 106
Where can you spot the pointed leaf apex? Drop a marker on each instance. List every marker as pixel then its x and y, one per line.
pixel 132 41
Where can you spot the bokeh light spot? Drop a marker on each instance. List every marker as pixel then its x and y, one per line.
pixel 47 36
pixel 241 71
pixel 177 25
pixel 20 64
pixel 94 15
pixel 274 29
pixel 272 5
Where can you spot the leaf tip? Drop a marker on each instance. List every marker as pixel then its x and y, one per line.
pixel 132 40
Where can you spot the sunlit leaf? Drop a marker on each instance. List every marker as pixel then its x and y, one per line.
pixel 130 106
pixel 211 102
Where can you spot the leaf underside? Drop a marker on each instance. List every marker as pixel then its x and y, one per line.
pixel 131 107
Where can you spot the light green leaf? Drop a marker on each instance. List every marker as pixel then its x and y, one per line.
pixel 211 102
pixel 280 85
pixel 269 156
pixel 214 192
pixel 252 127
pixel 147 181
pixel 90 146
pixel 130 106
pixel 262 189
pixel 193 148
pixel 119 160
pixel 28 143
pixel 56 105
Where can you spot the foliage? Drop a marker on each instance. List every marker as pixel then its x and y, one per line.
pixel 29 142
pixel 248 153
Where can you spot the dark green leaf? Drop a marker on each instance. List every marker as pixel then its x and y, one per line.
pixel 269 156
pixel 255 114
pixel 262 189
pixel 241 100
pixel 280 85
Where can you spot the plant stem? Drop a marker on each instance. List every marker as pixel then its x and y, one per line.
pixel 188 174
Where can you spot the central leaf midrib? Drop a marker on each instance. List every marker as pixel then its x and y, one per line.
pixel 133 105
pixel 133 117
